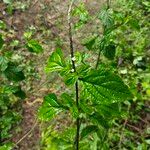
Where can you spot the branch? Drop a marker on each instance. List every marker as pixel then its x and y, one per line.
pixel 74 68
pixel 33 127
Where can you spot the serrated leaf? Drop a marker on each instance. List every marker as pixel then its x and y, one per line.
pixel 34 46
pixel 14 73
pixel 88 130
pixel 105 87
pixel 1 41
pixel 55 61
pixel 3 63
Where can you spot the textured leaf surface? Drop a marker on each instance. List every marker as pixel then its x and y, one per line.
pixel 55 61
pixel 105 87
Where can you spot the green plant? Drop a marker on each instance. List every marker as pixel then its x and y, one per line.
pixel 11 74
pixel 94 97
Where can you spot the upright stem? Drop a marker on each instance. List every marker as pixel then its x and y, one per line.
pixel 74 68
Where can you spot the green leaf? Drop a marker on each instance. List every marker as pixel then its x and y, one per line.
pixel 85 108
pixel 134 23
pixel 49 108
pixel 109 51
pixel 70 78
pixel 14 73
pixel 83 15
pixel 46 112
pixel 106 18
pixel 99 120
pixel 69 102
pixel 89 43
pixel 55 61
pixel 2 25
pixel 20 93
pixel 110 111
pixel 34 46
pixel 104 87
pixel 88 130
pixel 1 41
pixel 52 100
pixel 3 63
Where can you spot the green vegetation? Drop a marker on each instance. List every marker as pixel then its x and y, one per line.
pixel 100 100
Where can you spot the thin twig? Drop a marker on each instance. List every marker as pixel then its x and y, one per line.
pixel 33 127
pixel 74 69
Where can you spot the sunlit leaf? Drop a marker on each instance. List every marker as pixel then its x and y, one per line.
pixel 105 87
pixel 34 46
pixel 55 61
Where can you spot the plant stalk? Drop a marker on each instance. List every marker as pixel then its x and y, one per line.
pixel 74 68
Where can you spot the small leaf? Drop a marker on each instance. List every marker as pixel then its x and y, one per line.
pixel 70 79
pixel 49 108
pixel 2 25
pixel 88 130
pixel 34 46
pixel 89 44
pixel 106 18
pixel 3 63
pixel 20 93
pixel 1 41
pixel 134 23
pixel 52 100
pixel 69 102
pixel 46 112
pixel 109 51
pixel 14 73
pixel 55 61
